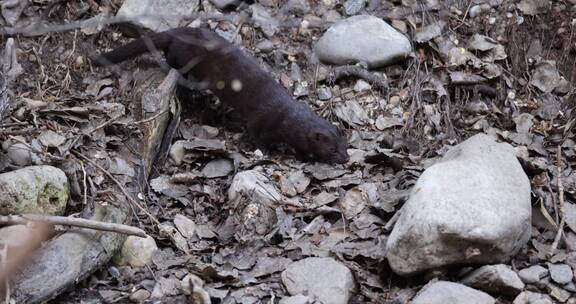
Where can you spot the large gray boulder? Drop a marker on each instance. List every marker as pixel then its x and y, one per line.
pixel 473 206
pixel 365 39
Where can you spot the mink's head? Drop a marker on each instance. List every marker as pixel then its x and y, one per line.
pixel 327 144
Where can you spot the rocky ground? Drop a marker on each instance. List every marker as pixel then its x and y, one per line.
pixel 480 221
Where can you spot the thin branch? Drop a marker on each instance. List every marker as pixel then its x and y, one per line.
pixel 560 201
pixel 73 222
pixel 149 119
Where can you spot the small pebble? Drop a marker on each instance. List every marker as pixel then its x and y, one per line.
pixel 79 61
pixel 558 293
pixel 324 93
pixel 476 10
pixel 353 7
pixel 394 100
pixel 301 89
pixel 140 295
pixel 362 86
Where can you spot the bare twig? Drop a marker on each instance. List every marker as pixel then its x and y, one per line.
pixel 560 201
pixel 73 222
pixel 149 119
pixel 84 184
pixel 128 196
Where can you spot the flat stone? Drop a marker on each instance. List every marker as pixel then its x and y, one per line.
pixel 495 279
pixel 532 274
pixel 560 273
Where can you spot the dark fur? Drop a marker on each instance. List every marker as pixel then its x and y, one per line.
pixel 272 114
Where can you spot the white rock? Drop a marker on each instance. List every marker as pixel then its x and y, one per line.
pixel 158 15
pixel 323 279
pixel 136 251
pixel 442 292
pixel 35 189
pixel 495 279
pixel 473 206
pixel 365 39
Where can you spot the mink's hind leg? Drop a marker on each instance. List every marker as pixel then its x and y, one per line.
pixel 268 145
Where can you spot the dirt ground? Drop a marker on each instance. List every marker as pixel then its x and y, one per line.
pixel 60 90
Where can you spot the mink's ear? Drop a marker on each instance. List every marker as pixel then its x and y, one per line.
pixel 319 137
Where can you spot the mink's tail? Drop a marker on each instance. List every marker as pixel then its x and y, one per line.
pixel 151 43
